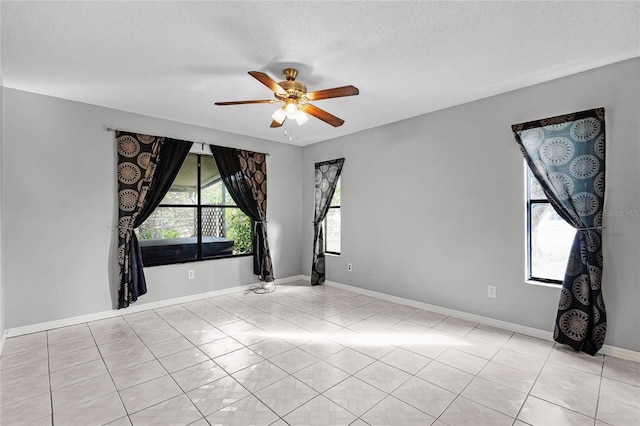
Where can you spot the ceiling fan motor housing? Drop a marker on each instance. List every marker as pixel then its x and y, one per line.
pixel 294 89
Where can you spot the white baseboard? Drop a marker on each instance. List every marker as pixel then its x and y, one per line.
pixel 529 331
pixel 49 325
pixel 2 340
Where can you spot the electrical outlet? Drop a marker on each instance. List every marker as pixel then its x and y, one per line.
pixel 367 270
pixel 492 291
pixel 191 274
pixel 349 267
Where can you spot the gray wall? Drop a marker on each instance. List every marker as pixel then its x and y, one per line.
pixel 60 210
pixel 2 299
pixel 435 204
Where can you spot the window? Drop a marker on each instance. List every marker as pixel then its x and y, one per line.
pixel 332 224
pixel 196 220
pixel 549 237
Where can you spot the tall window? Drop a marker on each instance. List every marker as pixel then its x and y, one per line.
pixel 332 224
pixel 549 237
pixel 196 220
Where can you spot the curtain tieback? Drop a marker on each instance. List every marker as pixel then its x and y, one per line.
pixel 593 227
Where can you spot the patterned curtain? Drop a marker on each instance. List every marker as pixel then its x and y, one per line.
pixel 567 156
pixel 244 174
pixel 327 174
pixel 147 165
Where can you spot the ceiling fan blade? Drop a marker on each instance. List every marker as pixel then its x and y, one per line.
pixel 274 123
pixel 336 92
pixel 322 115
pixel 270 101
pixel 268 81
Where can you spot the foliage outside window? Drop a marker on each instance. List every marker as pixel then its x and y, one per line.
pixel 549 237
pixel 332 224
pixel 196 220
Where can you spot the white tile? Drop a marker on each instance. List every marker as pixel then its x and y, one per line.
pixel 77 373
pixel 183 359
pixel 294 360
pixel 197 375
pixel 493 395
pixel 355 395
pixel 566 395
pixel 320 411
pixel 96 411
pixel 462 361
pixel 622 370
pixel 321 376
pixel 383 376
pixel 217 394
pixel 25 371
pixel 322 348
pixel 571 378
pixel 538 412
pixel 620 391
pixel 247 411
pixel 137 374
pixel 17 391
pixel 238 360
pixel 26 411
pixel 271 347
pixel 175 411
pixel 406 360
pixel 139 397
pixel 507 376
pixel 520 361
pixel 74 358
pixel 259 375
pixel 221 347
pixel 82 392
pixel 392 411
pixel 170 346
pixel 349 360
pixel 425 396
pixel 616 413
pixel 27 342
pixel 286 395
pixel 463 411
pixel 447 377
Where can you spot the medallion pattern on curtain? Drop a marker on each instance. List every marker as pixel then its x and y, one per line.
pixel 326 178
pixel 254 166
pixel 147 165
pixel 244 174
pixel 567 156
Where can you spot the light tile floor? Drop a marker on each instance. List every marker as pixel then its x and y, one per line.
pixel 305 356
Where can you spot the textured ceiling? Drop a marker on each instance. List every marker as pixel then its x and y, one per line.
pixel 173 60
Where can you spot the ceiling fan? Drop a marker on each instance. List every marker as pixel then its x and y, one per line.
pixel 294 97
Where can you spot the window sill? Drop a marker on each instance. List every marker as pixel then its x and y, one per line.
pixel 332 254
pixel 543 284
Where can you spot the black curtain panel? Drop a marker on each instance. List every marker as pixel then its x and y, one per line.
pixel 244 173
pixel 147 166
pixel 566 154
pixel 326 179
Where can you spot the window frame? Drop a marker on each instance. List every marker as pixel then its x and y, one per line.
pixel 529 203
pixel 325 221
pixel 198 207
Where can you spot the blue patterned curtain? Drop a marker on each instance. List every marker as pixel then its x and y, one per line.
pixel 567 156
pixel 326 177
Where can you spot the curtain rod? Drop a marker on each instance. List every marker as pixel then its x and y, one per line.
pixel 110 129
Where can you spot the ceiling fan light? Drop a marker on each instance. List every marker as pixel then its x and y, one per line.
pixel 291 109
pixel 301 117
pixel 279 115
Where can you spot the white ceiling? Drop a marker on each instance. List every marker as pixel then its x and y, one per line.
pixel 173 60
